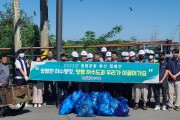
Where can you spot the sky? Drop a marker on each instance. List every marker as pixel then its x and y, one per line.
pixel 157 18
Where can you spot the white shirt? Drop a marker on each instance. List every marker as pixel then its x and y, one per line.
pixel 18 65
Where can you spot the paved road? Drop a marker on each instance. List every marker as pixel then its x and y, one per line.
pixel 51 113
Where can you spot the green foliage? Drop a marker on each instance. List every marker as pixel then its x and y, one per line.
pixel 29 31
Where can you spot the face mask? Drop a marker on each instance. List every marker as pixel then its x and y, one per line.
pixel 63 60
pixel 150 57
pixel 141 57
pixel 126 58
pixel 21 55
pixel 75 59
pixel 108 59
pixel 50 57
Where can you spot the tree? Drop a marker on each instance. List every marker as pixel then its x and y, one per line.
pixel 29 31
pixel 89 38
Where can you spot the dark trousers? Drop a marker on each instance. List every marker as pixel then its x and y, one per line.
pixel 84 86
pixel 97 87
pixel 126 91
pixel 20 82
pixel 46 90
pixel 164 87
pixel 62 91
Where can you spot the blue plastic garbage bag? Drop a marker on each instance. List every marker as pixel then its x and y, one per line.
pixel 114 105
pixel 94 97
pixel 104 107
pixel 122 109
pixel 84 107
pixel 68 103
pixel 76 95
pixel 66 106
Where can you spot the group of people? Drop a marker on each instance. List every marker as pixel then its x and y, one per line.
pixel 169 78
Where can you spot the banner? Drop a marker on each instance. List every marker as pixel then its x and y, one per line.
pixel 114 72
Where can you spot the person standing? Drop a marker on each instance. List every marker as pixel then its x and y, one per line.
pixel 37 90
pixel 90 57
pixel 62 86
pixel 174 81
pixel 95 86
pixel 47 84
pixel 141 88
pixel 73 85
pixel 4 72
pixel 21 71
pixel 84 86
pixel 163 82
pixel 126 88
pixel 151 86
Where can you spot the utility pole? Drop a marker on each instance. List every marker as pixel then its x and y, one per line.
pixel 59 21
pixel 17 35
pixel 44 23
pixel 156 30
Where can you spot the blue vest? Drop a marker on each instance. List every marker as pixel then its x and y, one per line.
pixel 17 72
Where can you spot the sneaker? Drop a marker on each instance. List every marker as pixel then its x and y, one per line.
pixel 18 105
pixel 35 105
pixel 39 105
pixel 170 108
pixel 136 107
pixel 157 108
pixel 164 108
pixel 144 107
pixel 176 108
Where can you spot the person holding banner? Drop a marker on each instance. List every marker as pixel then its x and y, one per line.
pixel 73 85
pixel 21 71
pixel 151 87
pixel 84 86
pixel 107 86
pixel 37 90
pixel 174 81
pixel 62 87
pixel 114 87
pixel 141 88
pixel 126 88
pixel 50 57
pixel 95 86
pixel 163 82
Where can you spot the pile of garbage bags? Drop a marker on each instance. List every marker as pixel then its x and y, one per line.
pixel 95 103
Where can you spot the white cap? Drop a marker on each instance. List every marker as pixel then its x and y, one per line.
pixel 132 53
pixel 83 53
pixel 151 52
pixel 103 49
pixel 108 54
pixel 141 52
pixel 147 51
pixel 125 54
pixel 90 55
pixel 75 54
